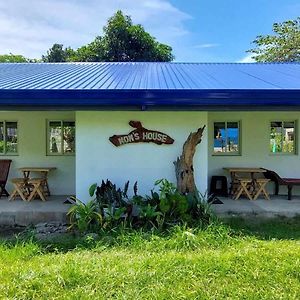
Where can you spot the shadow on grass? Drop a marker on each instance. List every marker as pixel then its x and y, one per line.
pixel 274 228
pixel 223 234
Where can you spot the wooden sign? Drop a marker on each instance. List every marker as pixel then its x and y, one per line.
pixel 141 135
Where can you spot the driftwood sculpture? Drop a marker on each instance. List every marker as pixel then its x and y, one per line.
pixel 184 164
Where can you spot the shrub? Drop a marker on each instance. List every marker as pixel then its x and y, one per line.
pixel 84 217
pixel 112 207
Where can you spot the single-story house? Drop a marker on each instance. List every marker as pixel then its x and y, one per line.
pixel 81 117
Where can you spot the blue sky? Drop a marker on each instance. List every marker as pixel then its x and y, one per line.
pixel 198 30
pixel 222 30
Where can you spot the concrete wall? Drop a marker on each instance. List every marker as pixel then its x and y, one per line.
pixel 32 149
pixel 255 133
pixel 98 158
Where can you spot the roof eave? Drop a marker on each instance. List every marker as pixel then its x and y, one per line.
pixel 150 98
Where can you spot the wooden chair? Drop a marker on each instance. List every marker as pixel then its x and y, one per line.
pixel 20 188
pixel 261 188
pixel 4 170
pixel 289 182
pixel 244 186
pixel 37 186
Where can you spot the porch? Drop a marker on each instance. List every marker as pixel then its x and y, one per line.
pixel 19 212
pixel 23 213
pixel 278 206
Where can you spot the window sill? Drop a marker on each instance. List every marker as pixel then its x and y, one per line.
pixel 226 154
pixel 282 154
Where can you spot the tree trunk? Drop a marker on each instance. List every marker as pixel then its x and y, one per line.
pixel 184 164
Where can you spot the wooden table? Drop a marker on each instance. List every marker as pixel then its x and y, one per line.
pixel 234 177
pixel 43 171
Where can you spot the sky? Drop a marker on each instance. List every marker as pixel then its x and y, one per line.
pixel 197 30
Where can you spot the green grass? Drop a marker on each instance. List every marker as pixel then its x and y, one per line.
pixel 237 260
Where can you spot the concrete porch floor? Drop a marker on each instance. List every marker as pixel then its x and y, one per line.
pixel 277 206
pixel 19 212
pixel 23 213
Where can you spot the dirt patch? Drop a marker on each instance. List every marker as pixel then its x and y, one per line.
pixel 10 231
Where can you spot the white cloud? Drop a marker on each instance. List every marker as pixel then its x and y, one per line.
pixel 31 27
pixel 247 59
pixel 208 45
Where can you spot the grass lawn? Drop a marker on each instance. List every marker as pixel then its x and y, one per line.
pixel 236 260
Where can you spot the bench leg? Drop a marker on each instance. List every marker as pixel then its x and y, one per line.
pixel 290 192
pixel 276 188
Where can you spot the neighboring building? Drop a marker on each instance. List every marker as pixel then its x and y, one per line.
pixel 62 115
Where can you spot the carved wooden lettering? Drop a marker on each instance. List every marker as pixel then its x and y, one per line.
pixel 141 135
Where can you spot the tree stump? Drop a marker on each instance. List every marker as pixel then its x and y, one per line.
pixel 184 164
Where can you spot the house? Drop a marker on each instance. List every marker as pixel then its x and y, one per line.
pixel 66 115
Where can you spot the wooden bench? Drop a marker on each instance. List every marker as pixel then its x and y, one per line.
pixel 289 182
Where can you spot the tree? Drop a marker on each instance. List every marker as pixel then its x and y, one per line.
pixel 13 58
pixel 124 41
pixel 57 54
pixel 91 52
pixel 282 46
pixel 121 41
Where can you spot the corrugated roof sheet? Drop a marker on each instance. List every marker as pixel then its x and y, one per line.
pixel 142 85
pixel 148 76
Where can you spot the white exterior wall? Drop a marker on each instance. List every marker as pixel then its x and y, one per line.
pixel 32 149
pixel 255 135
pixel 97 158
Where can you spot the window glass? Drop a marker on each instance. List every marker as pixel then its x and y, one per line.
pixel 8 137
pixel 232 137
pixel 1 137
pixel 11 137
pixel 282 137
pixel 219 137
pixel 69 137
pixel 226 137
pixel 61 137
pixel 55 137
pixel 288 137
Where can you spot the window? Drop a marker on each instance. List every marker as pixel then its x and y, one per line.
pixel 227 138
pixel 282 137
pixel 61 137
pixel 8 138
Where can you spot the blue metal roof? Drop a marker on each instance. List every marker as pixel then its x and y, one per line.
pixel 135 84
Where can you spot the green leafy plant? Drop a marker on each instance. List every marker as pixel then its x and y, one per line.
pixel 200 209
pixel 172 204
pixel 84 216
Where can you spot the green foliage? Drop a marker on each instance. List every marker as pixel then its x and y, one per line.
pixel 56 54
pixel 124 41
pixel 155 211
pixel 172 204
pixel 121 41
pixel 200 209
pixel 84 217
pixel 282 46
pixel 13 58
pixel 107 194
